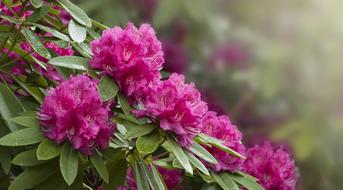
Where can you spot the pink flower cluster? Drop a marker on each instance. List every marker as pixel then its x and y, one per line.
pixel 50 72
pixel 171 178
pixel 73 112
pixel 177 105
pixel 273 167
pixel 132 56
pixel 221 128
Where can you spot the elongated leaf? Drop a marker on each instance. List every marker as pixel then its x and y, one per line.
pixel 135 130
pixel 22 137
pixel 200 151
pixel 36 3
pixel 246 182
pixel 180 155
pixel 78 14
pixel 27 158
pixel 141 179
pixel 31 90
pixel 224 181
pixel 38 14
pixel 72 62
pixel 32 176
pixel 36 44
pixel 11 19
pixel 117 174
pixel 108 88
pixel 217 143
pixel 197 163
pixel 100 167
pixel 53 32
pixel 5 160
pixel 26 121
pixel 76 31
pixel 148 174
pixel 158 182
pixel 149 143
pixel 47 150
pixel 10 107
pixel 68 163
pixel 124 104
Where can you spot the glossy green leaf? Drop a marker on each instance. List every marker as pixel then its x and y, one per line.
pixel 246 182
pixel 36 3
pixel 140 176
pixel 200 151
pixel 100 167
pixel 197 163
pixel 22 137
pixel 224 181
pixel 27 158
pixel 36 44
pixel 124 104
pixel 78 14
pixel 34 91
pixel 117 174
pixel 26 121
pixel 10 107
pixel 180 155
pixel 149 143
pixel 108 88
pixel 47 150
pixel 76 31
pixel 134 130
pixel 72 62
pixel 157 182
pixel 5 160
pixel 11 19
pixel 68 163
pixel 38 14
pixel 53 32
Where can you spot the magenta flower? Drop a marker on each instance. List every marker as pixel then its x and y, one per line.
pixel 221 128
pixel 51 72
pixel 176 105
pixel 274 168
pixel 73 112
pixel 132 56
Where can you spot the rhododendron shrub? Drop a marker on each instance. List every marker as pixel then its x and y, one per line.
pixel 84 106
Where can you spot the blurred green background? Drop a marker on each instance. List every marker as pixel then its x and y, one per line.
pixel 275 67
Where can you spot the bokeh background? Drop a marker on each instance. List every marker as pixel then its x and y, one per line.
pixel 275 67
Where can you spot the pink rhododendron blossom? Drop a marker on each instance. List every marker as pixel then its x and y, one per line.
pixel 274 168
pixel 177 105
pixel 50 72
pixel 221 128
pixel 73 112
pixel 132 56
pixel 171 178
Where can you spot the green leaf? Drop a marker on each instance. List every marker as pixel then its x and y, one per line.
pixel 5 160
pixel 141 178
pixel 36 44
pixel 68 163
pixel 36 3
pixel 100 167
pixel 180 155
pixel 38 14
pixel 10 106
pixel 78 14
pixel 219 144
pixel 31 90
pixel 197 163
pixel 224 181
pixel 108 88
pixel 157 182
pixel 246 182
pixel 200 151
pixel 27 158
pixel 26 121
pixel 11 19
pixel 134 130
pixel 53 32
pixel 117 174
pixel 72 62
pixel 124 104
pixel 76 31
pixel 32 176
pixel 47 150
pixel 149 143
pixel 22 137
